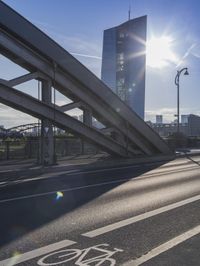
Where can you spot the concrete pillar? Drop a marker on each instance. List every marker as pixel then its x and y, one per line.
pixel 47 139
pixel 87 117
pixel 87 120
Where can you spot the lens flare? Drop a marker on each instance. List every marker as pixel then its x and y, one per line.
pixel 59 195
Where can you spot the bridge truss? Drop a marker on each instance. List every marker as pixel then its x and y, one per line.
pixel 125 134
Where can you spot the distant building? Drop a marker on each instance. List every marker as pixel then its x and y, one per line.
pixel 190 129
pixel 124 60
pixel 184 119
pixel 159 119
pixel 194 125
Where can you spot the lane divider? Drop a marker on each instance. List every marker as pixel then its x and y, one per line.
pixel 164 247
pixel 45 176
pixel 135 219
pixel 94 185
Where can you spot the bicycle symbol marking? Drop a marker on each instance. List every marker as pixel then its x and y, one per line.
pixel 82 257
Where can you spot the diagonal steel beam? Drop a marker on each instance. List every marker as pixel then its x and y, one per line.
pixel 71 106
pixel 34 107
pixel 22 79
pixel 32 49
pixel 65 85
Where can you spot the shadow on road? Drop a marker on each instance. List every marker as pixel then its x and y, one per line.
pixel 20 217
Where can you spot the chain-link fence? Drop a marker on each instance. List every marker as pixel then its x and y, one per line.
pixel 29 148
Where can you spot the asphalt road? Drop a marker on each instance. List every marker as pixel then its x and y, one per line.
pixel 141 215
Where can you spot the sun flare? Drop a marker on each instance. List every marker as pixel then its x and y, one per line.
pixel 159 53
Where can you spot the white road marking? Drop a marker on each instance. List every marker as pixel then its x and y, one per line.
pixel 75 172
pixel 164 247
pixel 165 162
pixel 9 170
pixel 63 190
pixel 117 225
pixel 98 254
pixel 94 185
pixel 36 253
pixel 44 176
pixel 90 171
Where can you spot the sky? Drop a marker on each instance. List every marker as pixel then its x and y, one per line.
pixel 78 26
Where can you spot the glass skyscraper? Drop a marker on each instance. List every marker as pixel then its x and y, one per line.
pixel 124 60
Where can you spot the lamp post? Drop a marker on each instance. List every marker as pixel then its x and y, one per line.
pixel 177 85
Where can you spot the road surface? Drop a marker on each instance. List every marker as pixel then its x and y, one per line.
pixel 134 215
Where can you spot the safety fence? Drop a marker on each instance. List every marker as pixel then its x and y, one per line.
pixel 29 148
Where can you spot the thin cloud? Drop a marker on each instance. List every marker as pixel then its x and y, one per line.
pixel 187 53
pixel 75 42
pixel 87 56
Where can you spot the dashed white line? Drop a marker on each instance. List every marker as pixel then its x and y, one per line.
pixel 36 253
pixel 117 225
pixel 164 247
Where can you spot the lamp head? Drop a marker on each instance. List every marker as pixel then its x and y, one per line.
pixel 186 72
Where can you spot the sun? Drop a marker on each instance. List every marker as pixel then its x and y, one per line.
pixel 159 53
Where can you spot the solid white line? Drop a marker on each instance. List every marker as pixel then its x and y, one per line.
pixel 44 176
pixel 63 190
pixel 82 171
pixel 7 171
pixel 75 172
pixel 92 185
pixel 99 170
pixel 164 247
pixel 36 253
pixel 117 225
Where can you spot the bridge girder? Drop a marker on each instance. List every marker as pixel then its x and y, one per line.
pixel 72 79
pixel 36 108
pixel 64 85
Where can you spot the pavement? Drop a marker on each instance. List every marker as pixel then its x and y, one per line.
pixel 146 213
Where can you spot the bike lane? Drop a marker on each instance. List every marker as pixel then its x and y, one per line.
pixel 133 241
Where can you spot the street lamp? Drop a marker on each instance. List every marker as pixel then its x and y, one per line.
pixel 177 84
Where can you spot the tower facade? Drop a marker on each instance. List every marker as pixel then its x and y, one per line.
pixel 124 60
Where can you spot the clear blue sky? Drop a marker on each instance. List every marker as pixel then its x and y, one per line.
pixel 78 26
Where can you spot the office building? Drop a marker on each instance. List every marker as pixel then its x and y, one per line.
pixel 159 119
pixel 184 119
pixel 124 60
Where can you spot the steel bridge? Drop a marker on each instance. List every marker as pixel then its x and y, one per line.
pixel 24 127
pixel 16 130
pixel 125 134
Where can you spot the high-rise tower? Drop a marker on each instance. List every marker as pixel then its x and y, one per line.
pixel 124 60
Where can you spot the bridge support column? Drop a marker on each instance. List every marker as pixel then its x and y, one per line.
pixel 47 139
pixel 87 120
pixel 87 117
